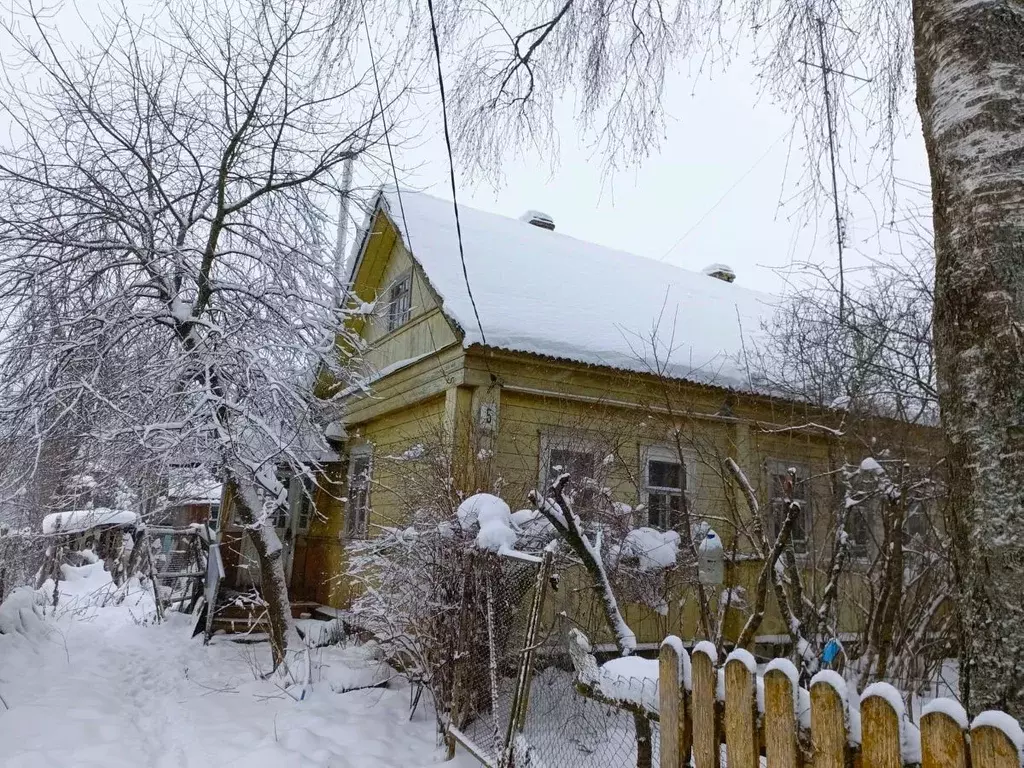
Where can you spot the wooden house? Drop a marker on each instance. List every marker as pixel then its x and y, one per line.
pixel 530 352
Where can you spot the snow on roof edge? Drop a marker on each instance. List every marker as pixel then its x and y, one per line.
pixel 724 369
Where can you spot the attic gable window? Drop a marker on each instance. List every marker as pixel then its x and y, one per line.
pixel 400 302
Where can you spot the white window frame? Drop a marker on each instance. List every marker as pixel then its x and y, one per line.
pixel 354 527
pixel 400 306
pixel 300 501
pixel 774 466
pixel 668 454
pixel 560 442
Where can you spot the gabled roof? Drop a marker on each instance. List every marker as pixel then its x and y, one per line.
pixel 546 293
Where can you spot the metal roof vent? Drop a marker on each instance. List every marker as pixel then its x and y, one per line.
pixel 538 219
pixel 721 271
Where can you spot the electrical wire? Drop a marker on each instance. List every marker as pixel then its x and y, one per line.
pixel 394 175
pixel 451 168
pixel 725 194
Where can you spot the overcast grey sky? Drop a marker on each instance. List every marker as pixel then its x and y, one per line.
pixel 722 188
pixel 719 191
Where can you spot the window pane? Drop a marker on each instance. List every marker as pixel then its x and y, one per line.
pixel 399 302
pixel 664 474
pixel 663 510
pixel 798 532
pixel 305 504
pixel 859 531
pixel 357 508
pixel 578 464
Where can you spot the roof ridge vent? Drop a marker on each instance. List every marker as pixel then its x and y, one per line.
pixel 538 219
pixel 719 271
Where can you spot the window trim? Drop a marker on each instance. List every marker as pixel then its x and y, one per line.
pixel 396 320
pixel 668 454
pixel 800 546
pixel 351 527
pixel 300 498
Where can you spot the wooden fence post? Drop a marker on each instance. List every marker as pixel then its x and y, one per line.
pixel 671 704
pixel 943 726
pixel 881 710
pixel 990 746
pixel 741 745
pixel 828 720
pixel 780 724
pixel 706 738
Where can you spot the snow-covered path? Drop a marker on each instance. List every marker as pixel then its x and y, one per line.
pixel 101 689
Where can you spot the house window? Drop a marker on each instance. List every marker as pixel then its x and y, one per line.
pixel 577 459
pixel 214 515
pixel 918 525
pixel 357 509
pixel 665 488
pixel 300 500
pixel 858 530
pixel 400 302
pixel 305 504
pixel 789 484
pixel 280 516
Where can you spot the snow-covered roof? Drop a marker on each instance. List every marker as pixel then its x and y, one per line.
pixel 550 294
pixel 193 485
pixel 79 520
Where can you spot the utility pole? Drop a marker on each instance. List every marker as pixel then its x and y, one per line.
pixel 341 244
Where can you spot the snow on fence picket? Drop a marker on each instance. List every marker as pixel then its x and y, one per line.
pixel 708 711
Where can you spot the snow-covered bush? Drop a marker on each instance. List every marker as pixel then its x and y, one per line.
pixel 411 581
pixel 21 613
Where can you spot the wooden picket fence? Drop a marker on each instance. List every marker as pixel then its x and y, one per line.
pixel 694 722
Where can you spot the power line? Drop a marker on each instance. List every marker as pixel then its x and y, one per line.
pixel 725 194
pixel 384 123
pixel 832 157
pixel 394 175
pixel 451 168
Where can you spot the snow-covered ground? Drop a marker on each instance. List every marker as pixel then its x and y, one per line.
pixel 104 686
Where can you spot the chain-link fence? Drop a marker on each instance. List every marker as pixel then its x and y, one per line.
pixel 501 605
pixel 566 729
pixel 519 702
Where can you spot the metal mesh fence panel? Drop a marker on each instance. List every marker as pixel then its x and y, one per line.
pixel 515 709
pixel 493 639
pixel 565 728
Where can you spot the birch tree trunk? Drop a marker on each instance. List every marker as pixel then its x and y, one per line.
pixel 970 80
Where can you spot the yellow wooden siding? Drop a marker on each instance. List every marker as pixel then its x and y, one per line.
pixel 384 262
pixel 397 480
pixel 442 395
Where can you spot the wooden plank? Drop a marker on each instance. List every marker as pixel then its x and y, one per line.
pixel 670 702
pixel 741 747
pixel 828 727
pixel 990 748
pixel 780 724
pixel 880 734
pixel 706 738
pixel 470 746
pixel 942 742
